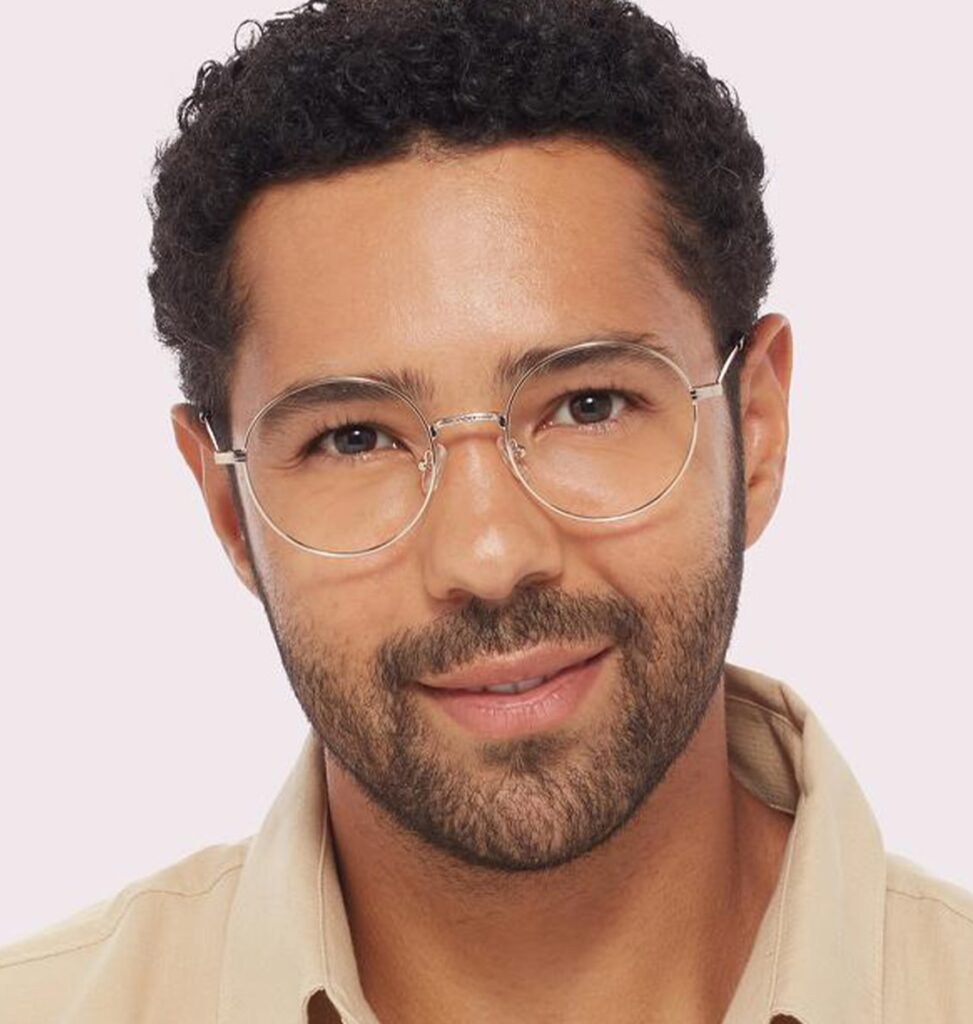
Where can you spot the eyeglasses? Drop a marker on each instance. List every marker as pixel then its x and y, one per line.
pixel 597 432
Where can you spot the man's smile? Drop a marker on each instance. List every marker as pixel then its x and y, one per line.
pixel 506 698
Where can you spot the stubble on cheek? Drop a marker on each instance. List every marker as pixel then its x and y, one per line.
pixel 543 799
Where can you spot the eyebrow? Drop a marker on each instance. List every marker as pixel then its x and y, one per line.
pixel 420 386
pixel 510 367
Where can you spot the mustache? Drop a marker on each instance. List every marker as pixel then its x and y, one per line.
pixel 482 629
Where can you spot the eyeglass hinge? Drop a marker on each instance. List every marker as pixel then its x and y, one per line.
pixel 716 388
pixel 227 458
pixel 706 391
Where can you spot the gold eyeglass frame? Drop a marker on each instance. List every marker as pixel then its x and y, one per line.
pixel 434 458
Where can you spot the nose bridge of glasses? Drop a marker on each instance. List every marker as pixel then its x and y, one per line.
pixel 434 461
pixel 468 417
pixel 510 449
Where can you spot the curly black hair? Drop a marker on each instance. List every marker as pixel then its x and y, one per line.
pixel 348 83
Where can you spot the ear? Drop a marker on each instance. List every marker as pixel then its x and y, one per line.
pixel 217 489
pixel 765 381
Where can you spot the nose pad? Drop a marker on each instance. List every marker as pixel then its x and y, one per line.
pixel 431 471
pixel 514 455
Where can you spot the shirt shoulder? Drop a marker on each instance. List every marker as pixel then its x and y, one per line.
pixel 928 946
pixel 158 940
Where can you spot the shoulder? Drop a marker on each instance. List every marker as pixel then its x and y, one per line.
pixel 928 945
pixel 98 963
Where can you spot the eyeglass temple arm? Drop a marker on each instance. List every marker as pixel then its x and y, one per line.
pixel 221 458
pixel 701 391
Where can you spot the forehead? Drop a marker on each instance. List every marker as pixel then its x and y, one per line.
pixel 446 265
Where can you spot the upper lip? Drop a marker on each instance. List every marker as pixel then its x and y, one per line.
pixel 541 661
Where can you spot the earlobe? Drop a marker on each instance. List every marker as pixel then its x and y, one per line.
pixel 764 390
pixel 216 487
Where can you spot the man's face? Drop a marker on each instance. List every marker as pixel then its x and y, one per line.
pixel 443 267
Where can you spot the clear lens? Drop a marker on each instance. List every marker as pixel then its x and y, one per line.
pixel 334 465
pixel 602 430
pixel 345 466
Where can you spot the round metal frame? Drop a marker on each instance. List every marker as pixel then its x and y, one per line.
pixel 434 457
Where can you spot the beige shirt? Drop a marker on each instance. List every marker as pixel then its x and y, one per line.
pixel 248 932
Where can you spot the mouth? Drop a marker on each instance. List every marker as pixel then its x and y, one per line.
pixel 515 673
pixel 522 705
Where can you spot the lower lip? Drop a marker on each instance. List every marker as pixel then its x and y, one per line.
pixel 502 715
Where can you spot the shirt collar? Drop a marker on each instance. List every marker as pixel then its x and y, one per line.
pixel 818 952
pixel 817 956
pixel 287 934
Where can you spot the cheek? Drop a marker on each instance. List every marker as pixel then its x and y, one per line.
pixel 711 478
pixel 679 535
pixel 349 604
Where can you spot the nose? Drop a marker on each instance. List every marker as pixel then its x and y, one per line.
pixel 484 535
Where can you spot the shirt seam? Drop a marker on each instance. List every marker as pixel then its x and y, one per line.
pixel 341 1001
pixel 792 845
pixel 932 899
pixel 877 992
pixel 118 920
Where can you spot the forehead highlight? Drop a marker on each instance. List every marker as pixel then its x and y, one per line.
pixel 280 209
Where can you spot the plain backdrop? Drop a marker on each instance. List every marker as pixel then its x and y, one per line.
pixel 143 710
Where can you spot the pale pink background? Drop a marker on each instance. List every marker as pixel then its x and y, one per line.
pixel 143 712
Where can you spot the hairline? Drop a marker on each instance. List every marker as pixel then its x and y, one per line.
pixel 658 238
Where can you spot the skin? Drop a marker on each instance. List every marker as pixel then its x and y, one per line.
pixel 442 265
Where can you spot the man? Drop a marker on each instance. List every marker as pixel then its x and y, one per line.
pixel 465 297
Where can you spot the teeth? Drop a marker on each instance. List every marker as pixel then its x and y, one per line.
pixel 518 687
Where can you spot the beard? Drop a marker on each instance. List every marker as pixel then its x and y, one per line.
pixel 530 802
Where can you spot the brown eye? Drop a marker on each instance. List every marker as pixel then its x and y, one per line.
pixel 355 439
pixel 592 407
pixel 588 407
pixel 352 439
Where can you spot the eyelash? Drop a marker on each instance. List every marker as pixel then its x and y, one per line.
pixel 311 449
pixel 631 402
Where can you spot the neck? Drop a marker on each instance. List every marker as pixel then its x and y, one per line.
pixel 654 925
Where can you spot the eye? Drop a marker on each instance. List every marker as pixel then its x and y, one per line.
pixel 583 407
pixel 350 440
